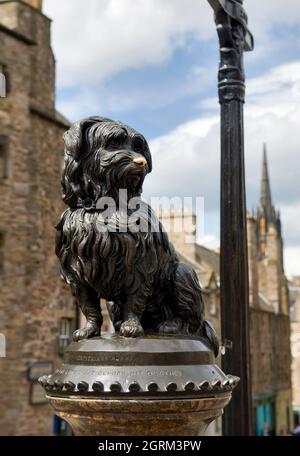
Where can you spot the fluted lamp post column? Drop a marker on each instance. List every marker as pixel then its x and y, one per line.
pixel 234 38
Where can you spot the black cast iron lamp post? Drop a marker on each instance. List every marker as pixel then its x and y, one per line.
pixel 234 38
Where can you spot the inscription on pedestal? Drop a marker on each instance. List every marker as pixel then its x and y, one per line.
pixel 138 359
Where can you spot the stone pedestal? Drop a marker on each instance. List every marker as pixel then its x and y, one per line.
pixel 163 386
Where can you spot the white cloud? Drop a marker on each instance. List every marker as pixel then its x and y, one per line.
pixel 271 22
pixel 290 218
pixel 210 241
pixel 97 38
pixel 87 99
pixel 292 261
pixel 263 15
pixel 277 91
pixel 189 155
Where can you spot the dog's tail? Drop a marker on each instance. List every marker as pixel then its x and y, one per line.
pixel 208 332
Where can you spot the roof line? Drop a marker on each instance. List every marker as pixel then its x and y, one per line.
pixel 36 10
pixel 49 117
pixel 17 35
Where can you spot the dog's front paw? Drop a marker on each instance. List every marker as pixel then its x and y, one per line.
pixel 131 328
pixel 88 331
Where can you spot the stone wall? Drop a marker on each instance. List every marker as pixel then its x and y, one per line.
pixel 13 223
pixel 284 413
pixel 253 259
pixel 295 341
pixel 262 342
pixel 33 298
pixel 270 352
pixel 270 270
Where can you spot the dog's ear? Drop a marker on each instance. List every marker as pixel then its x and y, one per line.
pixel 148 157
pixel 73 140
pixel 74 137
pixel 73 180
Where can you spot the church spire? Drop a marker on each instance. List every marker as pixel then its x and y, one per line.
pixel 265 193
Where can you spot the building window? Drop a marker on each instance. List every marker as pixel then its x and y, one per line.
pixel 2 241
pixel 212 303
pixel 65 336
pixel 61 427
pixel 3 157
pixel 4 81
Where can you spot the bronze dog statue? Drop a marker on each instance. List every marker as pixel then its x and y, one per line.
pixel 137 271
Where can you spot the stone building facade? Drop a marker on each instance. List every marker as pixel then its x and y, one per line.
pixel 294 288
pixel 37 314
pixel 270 322
pixel 269 309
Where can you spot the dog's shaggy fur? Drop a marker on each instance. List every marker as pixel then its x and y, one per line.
pixel 137 271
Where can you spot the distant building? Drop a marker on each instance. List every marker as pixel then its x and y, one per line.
pixel 270 323
pixel 181 227
pixel 269 312
pixel 295 343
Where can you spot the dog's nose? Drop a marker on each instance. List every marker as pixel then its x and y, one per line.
pixel 140 161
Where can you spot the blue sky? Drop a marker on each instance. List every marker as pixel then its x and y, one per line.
pixel 154 99
pixel 153 64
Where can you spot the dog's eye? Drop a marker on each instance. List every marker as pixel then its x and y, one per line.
pixel 114 144
pixel 138 146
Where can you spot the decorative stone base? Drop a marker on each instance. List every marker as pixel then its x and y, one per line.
pixel 142 417
pixel 152 385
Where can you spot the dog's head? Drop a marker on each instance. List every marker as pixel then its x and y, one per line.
pixel 103 156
